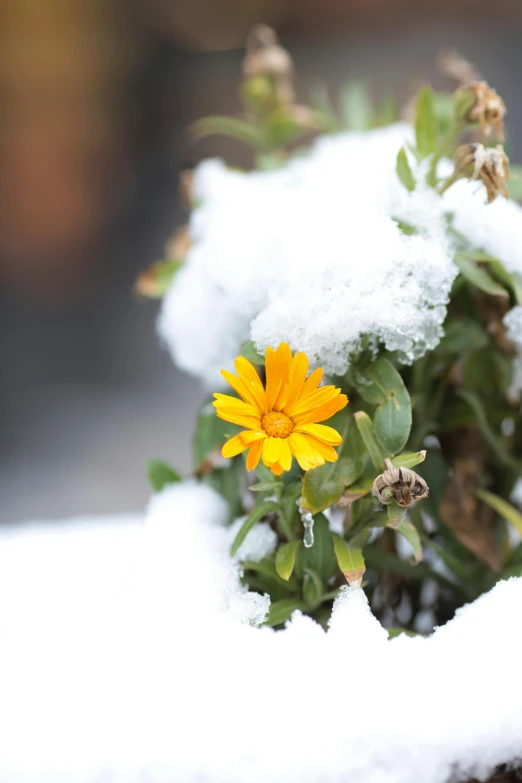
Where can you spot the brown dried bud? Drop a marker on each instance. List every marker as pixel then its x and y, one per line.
pixel 489 164
pixel 266 57
pixel 400 485
pixel 186 187
pixel 478 102
pixel 178 244
pixel 453 65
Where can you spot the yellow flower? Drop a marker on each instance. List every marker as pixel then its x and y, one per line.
pixel 281 420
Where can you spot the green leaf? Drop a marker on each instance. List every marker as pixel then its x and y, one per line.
pixel 160 474
pixel 320 101
pixel 350 560
pixel 320 557
pixel 323 486
pixel 396 515
pixel 381 385
pixel 234 128
pixel 492 439
pixel 393 632
pixel 462 336
pixel 514 184
pixel 267 568
pixel 366 431
pixel 512 280
pixel 285 559
pixel 425 123
pixel 411 534
pixel 267 486
pixel 249 352
pixel 252 519
pixel 211 433
pixel 313 588
pixel 356 107
pixel 478 276
pixel 408 459
pixel 503 508
pixel 403 169
pixel 362 486
pixel 281 611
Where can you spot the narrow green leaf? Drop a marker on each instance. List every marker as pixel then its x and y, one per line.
pixel 266 486
pixel 350 560
pixel 252 519
pixel 356 106
pixel 249 352
pixel 492 439
pixel 320 557
pixel 234 128
pixel 512 280
pixel 463 336
pixel 160 474
pixel 381 384
pixel 425 123
pixel 281 611
pixel 408 459
pixel 313 588
pixel 267 568
pixel 478 276
pixel 514 184
pixel 411 534
pixel 365 427
pixel 503 508
pixel 403 169
pixel 285 559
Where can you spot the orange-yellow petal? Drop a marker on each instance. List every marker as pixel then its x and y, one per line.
pixel 250 422
pixel 296 379
pixel 240 442
pixel 277 469
pixel 301 447
pixel 322 412
pixel 254 453
pixel 313 400
pixel 248 374
pixel 324 450
pixel 285 456
pixel 312 382
pixel 238 385
pixel 225 402
pixel 277 366
pixel 271 450
pixel 321 432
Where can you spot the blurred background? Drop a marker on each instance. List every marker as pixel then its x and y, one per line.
pixel 94 99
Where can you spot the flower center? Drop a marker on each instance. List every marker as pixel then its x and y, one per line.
pixel 277 424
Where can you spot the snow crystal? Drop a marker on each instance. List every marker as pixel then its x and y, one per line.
pixel 127 654
pixel 311 254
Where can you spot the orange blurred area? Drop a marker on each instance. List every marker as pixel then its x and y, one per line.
pixel 94 97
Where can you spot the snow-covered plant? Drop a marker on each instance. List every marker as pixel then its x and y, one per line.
pixel 388 256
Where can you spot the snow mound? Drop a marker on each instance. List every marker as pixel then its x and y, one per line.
pixel 312 254
pixel 128 654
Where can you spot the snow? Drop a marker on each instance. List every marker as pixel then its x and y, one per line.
pixel 128 652
pixel 311 253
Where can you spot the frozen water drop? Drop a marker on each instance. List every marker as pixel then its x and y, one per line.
pixel 308 522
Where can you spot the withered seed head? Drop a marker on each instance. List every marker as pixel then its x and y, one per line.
pixel 489 164
pixel 266 57
pixel 400 485
pixel 453 65
pixel 478 102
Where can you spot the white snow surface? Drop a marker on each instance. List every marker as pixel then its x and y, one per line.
pixel 127 654
pixel 312 254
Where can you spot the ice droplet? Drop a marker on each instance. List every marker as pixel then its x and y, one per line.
pixel 308 522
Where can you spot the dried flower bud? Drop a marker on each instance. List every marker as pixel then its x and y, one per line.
pixel 266 57
pixel 453 65
pixel 178 244
pixel 400 485
pixel 186 187
pixel 489 164
pixel 478 102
